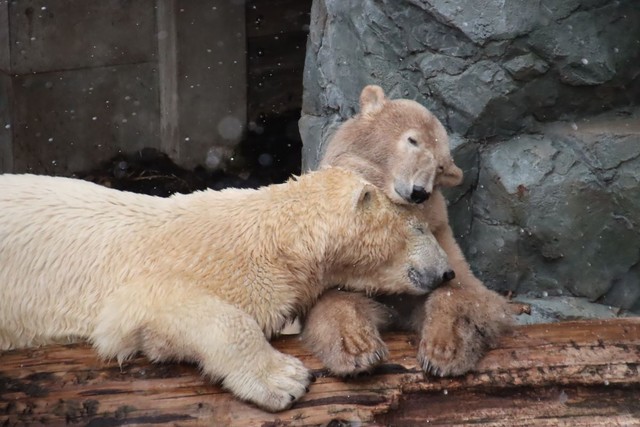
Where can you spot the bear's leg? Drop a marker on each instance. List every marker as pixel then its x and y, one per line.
pixel 459 321
pixel 342 331
pixel 181 322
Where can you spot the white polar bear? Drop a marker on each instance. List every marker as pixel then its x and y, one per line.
pixel 205 277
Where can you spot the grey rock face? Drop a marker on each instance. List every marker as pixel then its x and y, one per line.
pixel 559 215
pixel 540 100
pixel 580 46
pixel 466 154
pixel 483 20
pixel 526 67
pixel 484 82
pixel 561 308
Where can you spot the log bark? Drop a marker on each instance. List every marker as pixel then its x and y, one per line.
pixel 573 373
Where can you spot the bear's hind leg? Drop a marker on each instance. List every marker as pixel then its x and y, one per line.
pixel 342 331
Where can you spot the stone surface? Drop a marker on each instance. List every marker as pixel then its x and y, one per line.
pixel 625 291
pixel 466 156
pixel 72 120
pixel 60 35
pixel 539 99
pixel 485 82
pixel 6 132
pixel 211 73
pixel 483 20
pixel 580 48
pixel 557 309
pixel 563 225
pixel 173 74
pixel 491 86
pixel 4 37
pixel 526 67
pixel 554 10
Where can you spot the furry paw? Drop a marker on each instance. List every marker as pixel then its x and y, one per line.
pixel 450 349
pixel 342 331
pixel 358 350
pixel 457 331
pixel 275 387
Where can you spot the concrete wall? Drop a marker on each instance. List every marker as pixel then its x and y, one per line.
pixel 6 138
pixel 84 80
pixel 212 100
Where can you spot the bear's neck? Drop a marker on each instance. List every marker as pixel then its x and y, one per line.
pixel 286 249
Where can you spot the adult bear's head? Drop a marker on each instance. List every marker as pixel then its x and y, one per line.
pixel 368 242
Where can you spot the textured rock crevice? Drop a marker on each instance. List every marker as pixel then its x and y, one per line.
pixel 577 230
pixel 542 101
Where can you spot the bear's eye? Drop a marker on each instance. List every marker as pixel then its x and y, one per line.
pixel 440 168
pixel 412 141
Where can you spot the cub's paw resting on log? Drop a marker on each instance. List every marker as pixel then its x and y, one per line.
pixel 457 326
pixel 206 277
pixel 342 330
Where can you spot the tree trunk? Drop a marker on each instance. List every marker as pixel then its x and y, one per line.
pixel 572 373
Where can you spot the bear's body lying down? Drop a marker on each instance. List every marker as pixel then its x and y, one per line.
pixel 200 277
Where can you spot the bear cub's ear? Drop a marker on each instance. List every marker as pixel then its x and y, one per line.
pixel 372 99
pixel 364 196
pixel 451 176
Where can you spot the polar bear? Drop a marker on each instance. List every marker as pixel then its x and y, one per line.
pixel 206 277
pixel 400 147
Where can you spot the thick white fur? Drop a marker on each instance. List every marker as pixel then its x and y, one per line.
pixel 206 277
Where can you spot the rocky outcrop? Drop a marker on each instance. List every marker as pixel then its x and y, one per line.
pixel 561 210
pixel 541 100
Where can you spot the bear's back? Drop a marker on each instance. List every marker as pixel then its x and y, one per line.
pixel 57 235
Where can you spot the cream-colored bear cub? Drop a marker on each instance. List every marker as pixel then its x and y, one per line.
pixel 205 277
pixel 403 149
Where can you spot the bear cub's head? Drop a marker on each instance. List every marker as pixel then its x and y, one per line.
pixel 402 147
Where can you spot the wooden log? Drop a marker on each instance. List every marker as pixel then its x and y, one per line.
pixel 573 373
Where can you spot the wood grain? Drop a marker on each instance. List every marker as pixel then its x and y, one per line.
pixel 573 373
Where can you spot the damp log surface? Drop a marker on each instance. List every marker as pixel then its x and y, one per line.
pixel 571 373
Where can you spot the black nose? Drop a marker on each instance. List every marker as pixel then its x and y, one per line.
pixel 419 194
pixel 448 275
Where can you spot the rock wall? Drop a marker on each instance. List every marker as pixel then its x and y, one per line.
pixel 541 99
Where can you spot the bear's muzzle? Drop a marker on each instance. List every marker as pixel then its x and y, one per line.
pixel 428 280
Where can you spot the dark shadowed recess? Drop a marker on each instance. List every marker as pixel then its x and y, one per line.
pixel 270 151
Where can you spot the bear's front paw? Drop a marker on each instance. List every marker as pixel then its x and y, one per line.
pixel 358 350
pixel 287 382
pixel 450 348
pixel 275 387
pixel 459 329
pixel 342 331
